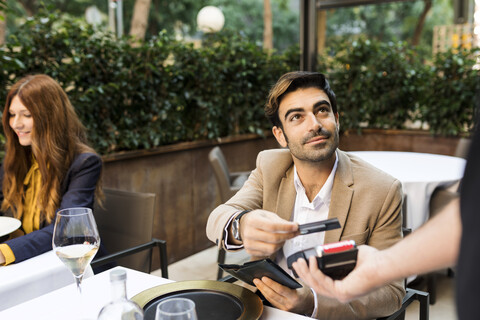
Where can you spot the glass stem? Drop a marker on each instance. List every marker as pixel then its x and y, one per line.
pixel 81 307
pixel 78 281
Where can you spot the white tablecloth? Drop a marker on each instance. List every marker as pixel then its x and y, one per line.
pixel 20 282
pixel 420 174
pixel 64 303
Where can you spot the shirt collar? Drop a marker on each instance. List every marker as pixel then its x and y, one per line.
pixel 325 193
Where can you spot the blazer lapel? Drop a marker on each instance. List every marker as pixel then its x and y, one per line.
pixel 342 194
pixel 286 196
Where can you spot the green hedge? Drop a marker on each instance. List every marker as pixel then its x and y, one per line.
pixel 388 85
pixel 452 92
pixel 163 91
pixel 159 92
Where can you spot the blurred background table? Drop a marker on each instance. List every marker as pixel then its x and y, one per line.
pixel 65 303
pixel 20 282
pixel 420 174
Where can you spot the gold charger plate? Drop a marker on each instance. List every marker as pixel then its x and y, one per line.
pixel 213 299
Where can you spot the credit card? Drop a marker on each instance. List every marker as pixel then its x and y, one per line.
pixel 319 226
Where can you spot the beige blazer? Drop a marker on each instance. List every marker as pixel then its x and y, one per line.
pixel 366 201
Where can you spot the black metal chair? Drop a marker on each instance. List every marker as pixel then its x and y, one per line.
pixel 439 200
pixel 462 148
pixel 228 184
pixel 125 224
pixel 162 250
pixel 411 296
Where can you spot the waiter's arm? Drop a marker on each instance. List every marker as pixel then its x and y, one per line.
pixel 433 246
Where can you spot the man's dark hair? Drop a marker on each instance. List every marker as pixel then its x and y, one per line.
pixel 293 81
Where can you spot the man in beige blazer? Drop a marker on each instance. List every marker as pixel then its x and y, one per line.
pixel 311 180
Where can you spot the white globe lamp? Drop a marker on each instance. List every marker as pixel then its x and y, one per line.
pixel 210 19
pixel 93 16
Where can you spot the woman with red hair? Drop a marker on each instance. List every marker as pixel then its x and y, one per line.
pixel 48 164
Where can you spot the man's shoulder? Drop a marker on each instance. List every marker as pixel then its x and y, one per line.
pixel 275 160
pixel 269 156
pixel 276 153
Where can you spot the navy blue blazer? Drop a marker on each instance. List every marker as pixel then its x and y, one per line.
pixel 77 190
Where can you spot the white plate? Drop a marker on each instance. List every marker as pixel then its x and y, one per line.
pixel 8 225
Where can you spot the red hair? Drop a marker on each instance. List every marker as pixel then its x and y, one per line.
pixel 58 137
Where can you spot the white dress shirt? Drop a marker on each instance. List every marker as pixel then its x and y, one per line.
pixel 305 211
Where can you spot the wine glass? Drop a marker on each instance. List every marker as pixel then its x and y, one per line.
pixel 176 309
pixel 76 240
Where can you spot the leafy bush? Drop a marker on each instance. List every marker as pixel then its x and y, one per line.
pixel 162 91
pixel 387 85
pixel 154 93
pixel 375 85
pixel 453 92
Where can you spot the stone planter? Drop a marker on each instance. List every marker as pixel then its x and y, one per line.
pixel 398 140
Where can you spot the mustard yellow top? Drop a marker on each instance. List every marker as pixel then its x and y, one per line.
pixel 31 212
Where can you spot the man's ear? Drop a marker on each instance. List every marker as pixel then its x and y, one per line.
pixel 278 133
pixel 337 121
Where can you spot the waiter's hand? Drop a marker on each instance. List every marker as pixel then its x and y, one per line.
pixel 283 298
pixel 363 278
pixel 263 232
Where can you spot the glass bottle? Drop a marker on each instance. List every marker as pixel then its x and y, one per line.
pixel 120 308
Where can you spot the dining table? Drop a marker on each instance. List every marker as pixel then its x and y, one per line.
pixel 420 174
pixel 67 303
pixel 26 280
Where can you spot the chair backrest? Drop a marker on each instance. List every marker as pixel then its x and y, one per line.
pixel 404 211
pixel 125 220
pixel 463 146
pixel 222 174
pixel 440 198
pixel 411 296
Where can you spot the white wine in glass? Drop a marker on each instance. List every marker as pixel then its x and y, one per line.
pixel 76 240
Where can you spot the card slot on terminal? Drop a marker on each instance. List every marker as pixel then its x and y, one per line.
pixel 336 259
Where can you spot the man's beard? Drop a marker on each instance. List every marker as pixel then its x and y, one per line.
pixel 323 153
